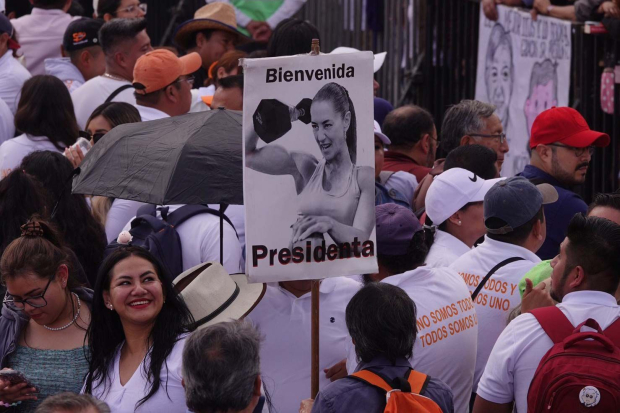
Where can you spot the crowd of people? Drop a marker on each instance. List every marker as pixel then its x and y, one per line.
pixel 479 275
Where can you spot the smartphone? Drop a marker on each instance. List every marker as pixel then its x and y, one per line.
pixel 15 377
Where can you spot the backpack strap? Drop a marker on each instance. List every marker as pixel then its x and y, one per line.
pixel 613 332
pixel 373 379
pixel 184 213
pixel 384 176
pixel 148 209
pixel 116 92
pixel 418 381
pixel 554 322
pixel 493 270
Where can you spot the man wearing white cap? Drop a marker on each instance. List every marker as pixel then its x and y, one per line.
pixel 516 228
pixel 379 59
pixel 454 215
pixel 398 184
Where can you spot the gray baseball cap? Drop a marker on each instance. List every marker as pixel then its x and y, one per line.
pixel 516 201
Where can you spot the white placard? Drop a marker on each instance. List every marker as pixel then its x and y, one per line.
pixel 523 69
pixel 314 174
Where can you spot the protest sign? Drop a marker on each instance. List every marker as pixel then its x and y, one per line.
pixel 523 69
pixel 309 167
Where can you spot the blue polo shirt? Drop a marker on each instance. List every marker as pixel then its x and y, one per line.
pixel 557 214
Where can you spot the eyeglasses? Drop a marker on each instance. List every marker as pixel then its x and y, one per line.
pixel 188 79
pixel 37 301
pixel 500 136
pixel 131 9
pixel 579 152
pixel 95 136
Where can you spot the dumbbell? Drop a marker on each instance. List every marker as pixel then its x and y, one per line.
pixel 272 118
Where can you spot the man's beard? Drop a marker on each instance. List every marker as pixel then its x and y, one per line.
pixel 566 178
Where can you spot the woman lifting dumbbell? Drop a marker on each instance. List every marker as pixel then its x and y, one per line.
pixel 336 196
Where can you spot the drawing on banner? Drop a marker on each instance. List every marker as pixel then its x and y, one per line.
pixel 498 72
pixel 309 176
pixel 523 69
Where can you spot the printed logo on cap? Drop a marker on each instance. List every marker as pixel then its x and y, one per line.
pixel 79 38
pixel 589 396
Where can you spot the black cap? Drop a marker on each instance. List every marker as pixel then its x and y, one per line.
pixel 82 33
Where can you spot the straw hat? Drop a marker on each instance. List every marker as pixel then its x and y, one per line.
pixel 213 16
pixel 213 296
pixel 379 57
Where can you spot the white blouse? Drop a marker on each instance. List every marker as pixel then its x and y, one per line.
pixel 124 398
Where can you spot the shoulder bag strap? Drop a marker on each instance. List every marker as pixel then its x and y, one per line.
pixel 493 270
pixel 116 92
pixel 554 322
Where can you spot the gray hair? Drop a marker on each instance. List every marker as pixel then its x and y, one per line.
pixel 71 402
pixel 464 118
pixel 220 366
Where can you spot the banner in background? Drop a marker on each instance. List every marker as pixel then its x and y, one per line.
pixel 523 69
pixel 309 167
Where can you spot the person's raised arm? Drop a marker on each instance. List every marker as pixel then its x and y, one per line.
pixel 274 159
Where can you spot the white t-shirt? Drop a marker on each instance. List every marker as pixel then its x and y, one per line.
pixel 14 150
pixel 445 347
pixel 284 321
pixel 522 345
pixel 499 295
pixel 403 182
pixel 170 398
pixel 121 212
pixel 200 241
pixel 445 250
pixel 94 92
pixel 12 78
pixel 7 123
pixel 147 113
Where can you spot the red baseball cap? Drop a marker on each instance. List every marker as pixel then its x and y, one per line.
pixel 567 126
pixel 159 68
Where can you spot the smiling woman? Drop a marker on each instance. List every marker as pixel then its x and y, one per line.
pixel 333 191
pixel 44 319
pixel 137 346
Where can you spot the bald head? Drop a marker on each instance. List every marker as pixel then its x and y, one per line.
pixel 405 126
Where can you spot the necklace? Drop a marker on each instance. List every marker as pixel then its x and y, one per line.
pixel 77 314
pixel 109 76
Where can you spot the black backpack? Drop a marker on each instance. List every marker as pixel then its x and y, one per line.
pixel 160 237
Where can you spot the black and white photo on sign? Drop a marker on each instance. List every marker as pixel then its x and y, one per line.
pixel 523 69
pixel 309 175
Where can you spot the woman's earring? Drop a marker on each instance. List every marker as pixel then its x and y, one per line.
pixel 459 222
pixel 110 307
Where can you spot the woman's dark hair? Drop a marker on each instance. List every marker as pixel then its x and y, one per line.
pixel 339 97
pixel 41 255
pixel 474 158
pixel 106 332
pixel 21 196
pixel 291 37
pixel 429 228
pixel 82 233
pixel 413 258
pixel 108 6
pixel 381 319
pixel 116 113
pixel 45 109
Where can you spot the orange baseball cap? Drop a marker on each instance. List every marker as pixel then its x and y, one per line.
pixel 160 68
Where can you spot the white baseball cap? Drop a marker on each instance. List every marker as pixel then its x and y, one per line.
pixel 381 135
pixel 452 190
pixel 379 57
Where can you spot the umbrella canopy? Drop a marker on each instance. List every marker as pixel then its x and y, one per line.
pixel 190 159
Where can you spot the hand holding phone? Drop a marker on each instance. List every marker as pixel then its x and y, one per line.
pixel 14 387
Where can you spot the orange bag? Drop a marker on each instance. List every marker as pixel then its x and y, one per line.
pixel 406 396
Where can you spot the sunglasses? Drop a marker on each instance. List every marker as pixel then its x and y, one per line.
pixel 95 136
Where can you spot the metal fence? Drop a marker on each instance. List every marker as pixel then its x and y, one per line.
pixel 432 61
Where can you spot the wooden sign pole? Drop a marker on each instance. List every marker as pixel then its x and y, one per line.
pixel 314 372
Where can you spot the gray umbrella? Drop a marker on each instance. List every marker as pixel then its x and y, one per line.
pixel 190 159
